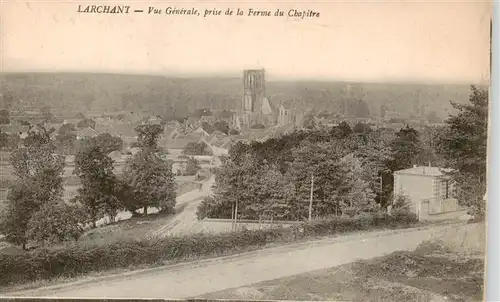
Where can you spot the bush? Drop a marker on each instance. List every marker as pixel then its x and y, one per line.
pixel 257 126
pixel 401 208
pixel 198 148
pixel 77 259
pixel 202 211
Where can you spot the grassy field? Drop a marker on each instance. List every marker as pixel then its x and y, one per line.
pixel 449 268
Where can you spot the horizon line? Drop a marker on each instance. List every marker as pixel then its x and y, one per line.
pixel 228 75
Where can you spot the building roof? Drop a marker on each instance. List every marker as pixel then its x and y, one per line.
pixel 423 171
pixel 266 106
pixel 87 132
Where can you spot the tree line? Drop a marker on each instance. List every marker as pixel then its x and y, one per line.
pixel 35 211
pixel 352 170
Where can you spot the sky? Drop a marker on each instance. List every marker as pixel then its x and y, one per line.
pixel 356 41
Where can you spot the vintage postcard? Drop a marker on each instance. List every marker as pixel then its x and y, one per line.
pixel 244 150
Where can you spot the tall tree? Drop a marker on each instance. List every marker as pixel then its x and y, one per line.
pixel 147 175
pixel 406 149
pixel 464 146
pixel 356 194
pixel 14 217
pixel 39 171
pixel 151 181
pixel 98 192
pixel 322 161
pixel 66 138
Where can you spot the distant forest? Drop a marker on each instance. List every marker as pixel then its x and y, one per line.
pixel 84 92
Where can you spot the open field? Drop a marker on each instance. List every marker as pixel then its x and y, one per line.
pixel 450 267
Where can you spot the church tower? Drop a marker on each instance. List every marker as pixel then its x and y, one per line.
pixel 254 100
pixel 254 83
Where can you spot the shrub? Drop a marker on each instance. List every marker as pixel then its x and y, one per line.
pixel 203 209
pixel 257 126
pixel 401 208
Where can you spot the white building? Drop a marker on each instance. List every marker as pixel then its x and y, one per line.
pixel 428 188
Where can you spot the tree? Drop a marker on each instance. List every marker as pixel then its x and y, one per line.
pixel 356 194
pixel 361 128
pixel 206 209
pixel 429 139
pixel 192 167
pixel 257 126
pixel 198 148
pixel 221 126
pixel 406 149
pixel 108 142
pixel 37 154
pixel 66 137
pixel 4 117
pixel 322 161
pixel 39 170
pixel 98 192
pixel 148 176
pixel 374 152
pixel 342 130
pixel 273 193
pixel 151 182
pixel 19 208
pixel 148 136
pixel 464 147
pixel 56 222
pixel 86 123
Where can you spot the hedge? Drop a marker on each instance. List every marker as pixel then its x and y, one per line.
pixel 80 258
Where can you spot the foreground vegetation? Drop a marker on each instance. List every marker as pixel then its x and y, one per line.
pixel 73 260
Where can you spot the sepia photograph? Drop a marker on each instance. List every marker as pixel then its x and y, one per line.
pixel 244 150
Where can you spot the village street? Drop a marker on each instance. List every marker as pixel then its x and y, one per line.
pixel 195 279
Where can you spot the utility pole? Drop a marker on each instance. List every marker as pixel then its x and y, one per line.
pixel 236 214
pixel 236 206
pixel 311 197
pixel 381 188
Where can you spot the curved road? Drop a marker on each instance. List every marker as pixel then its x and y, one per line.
pixel 186 221
pixel 195 279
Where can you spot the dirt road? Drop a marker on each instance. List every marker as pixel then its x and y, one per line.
pixel 186 221
pixel 195 279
